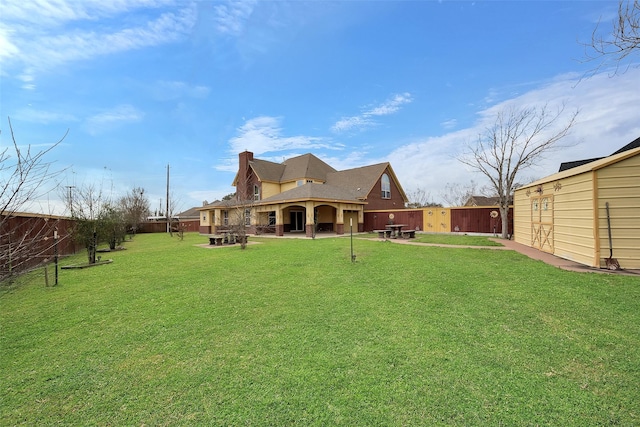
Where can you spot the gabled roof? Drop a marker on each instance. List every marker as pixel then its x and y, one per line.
pixel 315 191
pixel 267 171
pixel 588 167
pixel 363 178
pixel 352 185
pixel 306 166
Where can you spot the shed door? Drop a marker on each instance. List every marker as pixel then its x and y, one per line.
pixel 542 223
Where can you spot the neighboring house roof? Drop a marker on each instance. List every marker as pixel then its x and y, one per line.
pixel 189 213
pixel 482 201
pixel 633 144
pixel 573 164
pixel 588 167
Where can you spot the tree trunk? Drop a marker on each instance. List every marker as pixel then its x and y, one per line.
pixel 504 215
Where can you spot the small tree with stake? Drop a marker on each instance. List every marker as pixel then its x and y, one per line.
pixel 25 176
pixel 94 218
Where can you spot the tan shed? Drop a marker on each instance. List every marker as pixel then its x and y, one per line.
pixel 565 213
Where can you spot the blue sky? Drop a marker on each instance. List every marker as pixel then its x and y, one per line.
pixel 142 84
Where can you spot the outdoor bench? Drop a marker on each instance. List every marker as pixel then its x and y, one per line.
pixel 383 233
pixel 408 234
pixel 215 240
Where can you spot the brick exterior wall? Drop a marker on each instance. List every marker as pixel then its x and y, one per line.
pixel 375 200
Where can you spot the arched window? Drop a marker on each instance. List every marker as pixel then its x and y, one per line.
pixel 386 186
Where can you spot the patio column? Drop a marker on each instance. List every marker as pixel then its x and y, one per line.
pixel 310 219
pixel 216 219
pixel 279 222
pixel 340 219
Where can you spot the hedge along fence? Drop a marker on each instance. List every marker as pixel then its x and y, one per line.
pixel 27 241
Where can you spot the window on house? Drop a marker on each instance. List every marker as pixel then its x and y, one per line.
pixel 256 192
pixel 247 217
pixel 272 218
pixel 386 186
pixel 225 217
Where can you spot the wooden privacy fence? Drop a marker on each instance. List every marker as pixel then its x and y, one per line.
pixel 27 241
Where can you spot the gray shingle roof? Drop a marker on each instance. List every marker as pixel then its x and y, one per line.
pixel 360 179
pixel 267 171
pixel 306 166
pixel 310 191
pixel 351 185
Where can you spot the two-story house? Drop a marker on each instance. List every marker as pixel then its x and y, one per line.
pixel 302 195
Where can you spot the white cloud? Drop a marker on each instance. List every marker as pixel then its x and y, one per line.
pixel 366 119
pixel 449 124
pixel 231 17
pixel 609 118
pixel 264 134
pixel 43 34
pixel 167 90
pixel 114 117
pixel 43 117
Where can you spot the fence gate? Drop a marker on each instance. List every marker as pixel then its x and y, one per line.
pixel 542 223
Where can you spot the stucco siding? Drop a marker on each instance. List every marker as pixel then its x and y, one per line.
pixel 269 189
pixel 287 186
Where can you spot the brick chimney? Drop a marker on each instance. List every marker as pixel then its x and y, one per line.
pixel 242 192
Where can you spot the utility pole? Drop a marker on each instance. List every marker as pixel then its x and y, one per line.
pixel 70 198
pixel 167 211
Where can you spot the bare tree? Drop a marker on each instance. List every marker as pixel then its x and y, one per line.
pixel 622 41
pixel 135 208
pixel 25 176
pixel 457 194
pixel 517 140
pixel 421 198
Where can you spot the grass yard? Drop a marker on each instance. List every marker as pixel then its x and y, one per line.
pixel 290 332
pixel 455 239
pixel 444 239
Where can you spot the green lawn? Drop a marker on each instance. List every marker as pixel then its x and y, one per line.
pixel 444 239
pixel 455 239
pixel 291 332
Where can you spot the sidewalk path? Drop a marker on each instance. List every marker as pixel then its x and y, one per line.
pixel 533 253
